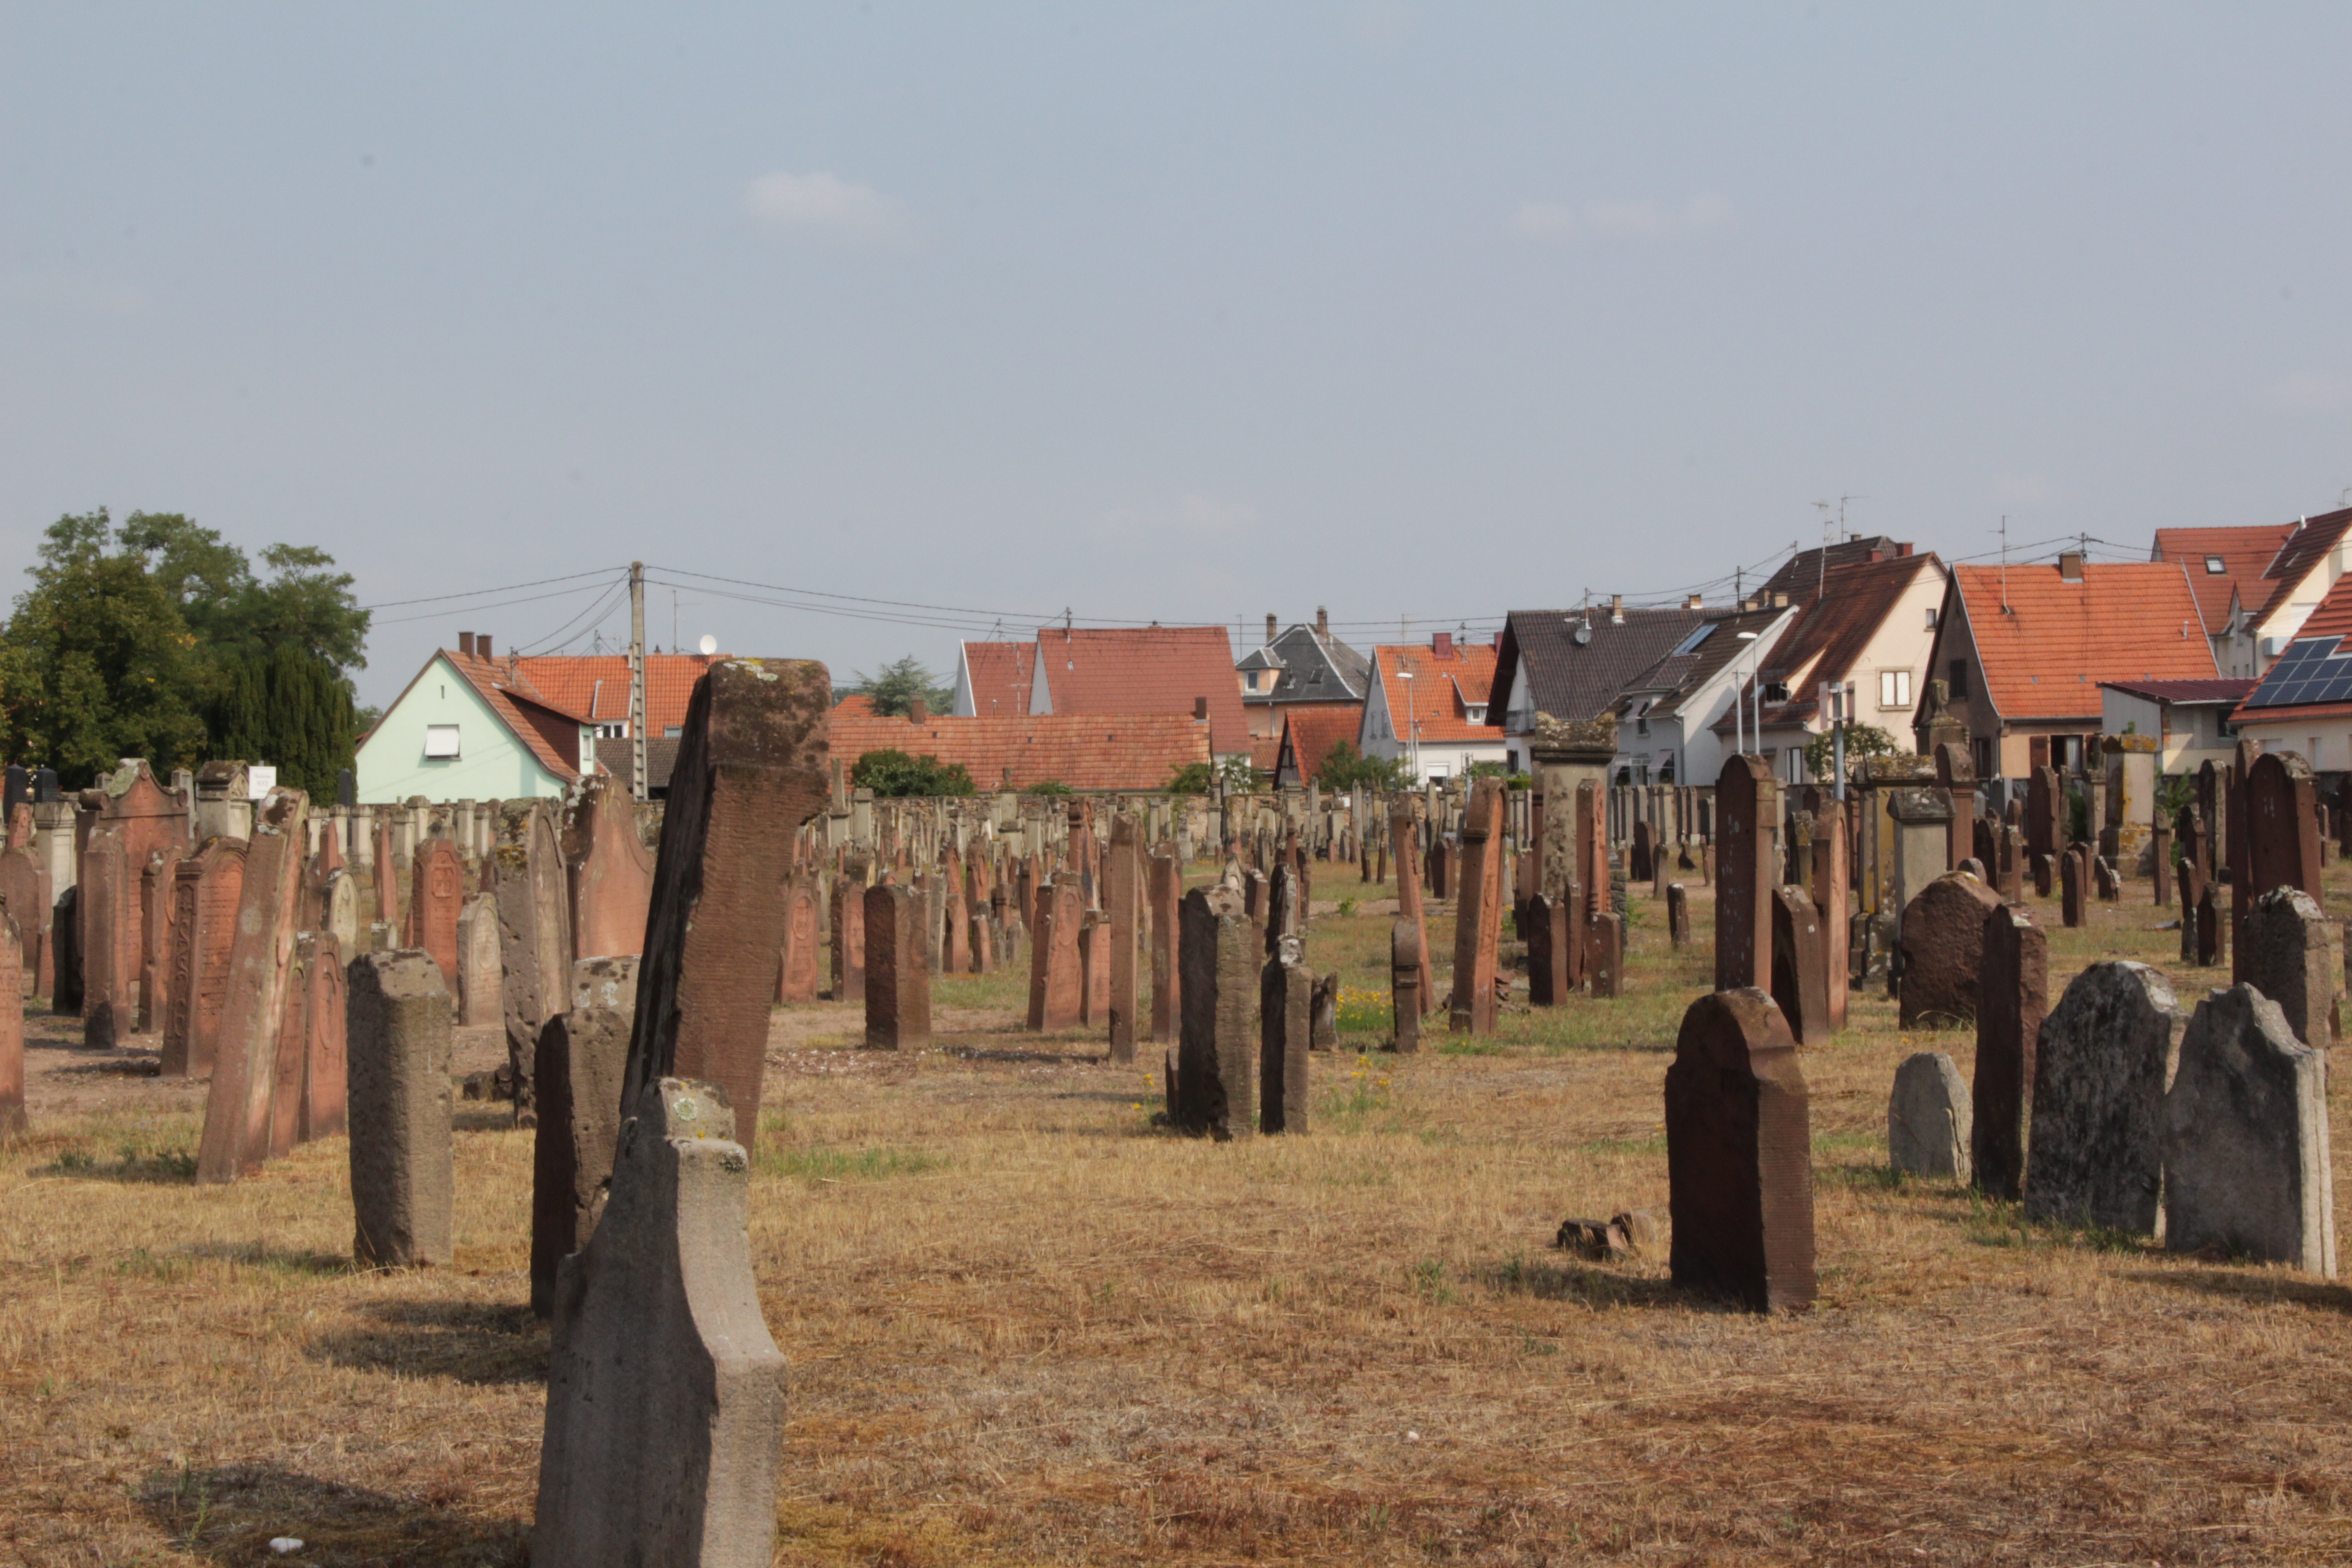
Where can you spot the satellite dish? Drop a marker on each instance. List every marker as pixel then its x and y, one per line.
pixel 709 644
pixel 1583 634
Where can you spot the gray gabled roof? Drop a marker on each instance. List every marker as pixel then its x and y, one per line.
pixel 1572 681
pixel 1314 668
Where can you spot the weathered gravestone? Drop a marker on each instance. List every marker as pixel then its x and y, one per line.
pixel 2012 998
pixel 848 939
pixel 2104 880
pixel 1929 1120
pixel 1216 1063
pixel 1404 979
pixel 1800 967
pixel 2282 827
pixel 1738 1154
pixel 1167 893
pixel 480 980
pixel 584 1052
pixel 1478 912
pixel 665 1406
pixel 1123 908
pixel 339 913
pixel 2245 1143
pixel 155 904
pixel 799 966
pixel 1605 954
pixel 1409 904
pixel 609 873
pixel 1678 927
pixel 2294 957
pixel 64 943
pixel 1548 944
pixel 205 890
pixel 533 899
pixel 1746 801
pixel 398 1059
pixel 1943 952
pixel 2073 872
pixel 1285 1007
pixel 238 1105
pixel 1325 1033
pixel 11 1030
pixel 2106 1054
pixel 109 1011
pixel 324 1108
pixel 1057 974
pixel 2208 926
pixel 24 895
pixel 897 981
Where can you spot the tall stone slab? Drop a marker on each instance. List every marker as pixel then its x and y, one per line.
pixel 1477 927
pixel 2281 827
pixel 533 895
pixel 1123 906
pixel 751 770
pixel 799 966
pixel 1834 902
pixel 609 872
pixel 1167 895
pixel 1930 1122
pixel 2294 957
pixel 1216 1061
pixel 398 1059
pixel 384 873
pixel 237 1107
pixel 323 1109
pixel 898 979
pixel 1547 945
pixel 1057 974
pixel 11 1030
pixel 666 1393
pixel 2246 1163
pixel 481 977
pixel 583 1055
pixel 1404 979
pixel 109 966
pixel 155 904
pixel 151 819
pixel 437 898
pixel 1800 967
pixel 1738 1154
pixel 2236 847
pixel 2106 1055
pixel 1285 1024
pixel 2013 998
pixel 1747 802
pixel 25 896
pixel 1943 953
pixel 848 939
pixel 205 890
pixel 1402 835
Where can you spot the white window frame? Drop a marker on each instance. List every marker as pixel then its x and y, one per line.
pixel 1898 682
pixel 442 743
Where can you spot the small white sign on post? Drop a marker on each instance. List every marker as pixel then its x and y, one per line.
pixel 259 781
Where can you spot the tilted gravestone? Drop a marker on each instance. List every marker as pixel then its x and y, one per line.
pixel 608 870
pixel 2106 1053
pixel 2294 956
pixel 1929 1119
pixel 11 1030
pixel 1287 1031
pixel 1738 1154
pixel 897 981
pixel 238 1105
pixel 1405 982
pixel 2012 998
pixel 2246 1163
pixel 400 1108
pixel 1216 1059
pixel 1478 912
pixel 1800 967
pixel 584 1052
pixel 1943 952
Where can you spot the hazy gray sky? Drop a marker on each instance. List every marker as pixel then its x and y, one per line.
pixel 1183 312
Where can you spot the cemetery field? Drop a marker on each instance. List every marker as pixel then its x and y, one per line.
pixel 1026 1325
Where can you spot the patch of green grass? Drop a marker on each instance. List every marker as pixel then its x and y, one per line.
pixel 1429 1282
pixel 1357 1098
pixel 848 1164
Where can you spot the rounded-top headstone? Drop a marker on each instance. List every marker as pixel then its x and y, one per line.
pixel 1929 1119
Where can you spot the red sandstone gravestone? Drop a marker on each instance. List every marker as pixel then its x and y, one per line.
pixel 609 872
pixel 11 1031
pixel 437 897
pixel 797 969
pixel 205 890
pixel 1478 912
pixel 1746 800
pixel 1738 1155
pixel 897 980
pixel 108 969
pixel 2013 996
pixel 237 1109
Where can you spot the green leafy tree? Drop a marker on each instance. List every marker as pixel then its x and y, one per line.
pixel 1861 741
pixel 894 689
pixel 1344 768
pixel 890 771
pixel 291 708
pixel 1193 778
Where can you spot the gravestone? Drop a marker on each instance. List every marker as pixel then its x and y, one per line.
pixel 1929 1122
pixel 1404 979
pixel 2045 800
pixel 1094 970
pixel 2046 870
pixel 608 872
pixel 1833 903
pixel 2073 870
pixel 1548 944
pixel 1123 906
pixel 339 912
pixel 1478 912
pixel 1943 950
pixel 2106 1054
pixel 2246 1163
pixel 480 980
pixel 109 1012
pixel 205 890
pixel 1604 954
pixel 1409 904
pixel 1216 1070
pixel 1800 967
pixel 11 1030
pixel 1286 1029
pixel 2012 998
pixel 325 1009
pixel 2282 829
pixel 65 940
pixel 237 1106
pixel 582 1055
pixel 2209 927
pixel 25 894
pixel 1167 892
pixel 1738 1155
pixel 1057 976
pixel 2294 957
pixel 156 905
pixel 848 939
pixel 798 965
pixel 1325 1032
pixel 1746 801
pixel 1679 927
pixel 897 981
pixel 1638 867
pixel 533 895
pixel 2103 877
pixel 437 897
pixel 401 1181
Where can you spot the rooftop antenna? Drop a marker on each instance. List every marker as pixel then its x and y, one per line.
pixel 1823 591
pixel 2004 564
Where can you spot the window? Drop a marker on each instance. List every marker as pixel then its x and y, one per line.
pixel 1931 617
pixel 1775 691
pixel 672 732
pixel 2215 566
pixel 1894 689
pixel 441 741
pixel 1960 684
pixel 1698 635
pixel 1249 682
pixel 1478 713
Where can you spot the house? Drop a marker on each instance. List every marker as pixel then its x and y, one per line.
pixel 1429 704
pixel 1180 670
pixel 2226 567
pixel 1310 730
pixel 1803 572
pixel 596 686
pixel 2298 578
pixel 1573 665
pixel 1666 729
pixel 1134 753
pixel 2024 649
pixel 2189 718
pixel 2304 702
pixel 1302 665
pixel 468 727
pixel 1868 622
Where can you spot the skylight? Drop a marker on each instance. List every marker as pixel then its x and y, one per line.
pixel 2215 566
pixel 1690 642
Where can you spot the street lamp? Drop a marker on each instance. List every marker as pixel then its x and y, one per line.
pixel 1739 714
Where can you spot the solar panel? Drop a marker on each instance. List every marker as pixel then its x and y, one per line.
pixel 2310 670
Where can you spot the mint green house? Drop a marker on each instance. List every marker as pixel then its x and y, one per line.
pixel 472 728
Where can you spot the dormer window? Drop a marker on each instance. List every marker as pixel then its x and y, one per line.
pixel 2215 566
pixel 1478 713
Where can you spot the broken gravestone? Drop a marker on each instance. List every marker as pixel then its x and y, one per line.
pixel 2107 1056
pixel 398 1066
pixel 1928 1119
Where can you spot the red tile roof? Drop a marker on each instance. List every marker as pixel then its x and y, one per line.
pixel 596 685
pixel 2302 551
pixel 2045 657
pixel 1437 696
pixel 2244 555
pixel 512 698
pixel 856 705
pixel 1001 673
pixel 1083 751
pixel 2332 617
pixel 1147 670
pixel 1310 730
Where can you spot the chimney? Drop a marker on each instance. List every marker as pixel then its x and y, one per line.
pixel 482 647
pixel 1696 602
pixel 1201 709
pixel 1877 556
pixel 919 711
pixel 1269 631
pixel 1903 552
pixel 2070 565
pixel 1322 622
pixel 466 644
pixel 1616 609
pixel 1780 598
pixel 1441 645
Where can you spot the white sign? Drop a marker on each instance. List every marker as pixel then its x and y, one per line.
pixel 259 781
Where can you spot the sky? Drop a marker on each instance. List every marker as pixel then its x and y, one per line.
pixel 975 316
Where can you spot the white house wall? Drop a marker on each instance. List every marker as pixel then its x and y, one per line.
pixel 491 764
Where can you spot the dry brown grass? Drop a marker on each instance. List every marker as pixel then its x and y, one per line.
pixel 1025 1327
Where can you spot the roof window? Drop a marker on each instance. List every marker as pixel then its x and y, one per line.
pixel 2215 566
pixel 1690 643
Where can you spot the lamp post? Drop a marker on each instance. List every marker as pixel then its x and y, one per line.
pixel 1739 709
pixel 1411 726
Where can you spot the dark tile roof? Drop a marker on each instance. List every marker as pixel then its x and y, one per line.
pixel 2244 554
pixel 1575 681
pixel 2227 690
pixel 2314 538
pixel 1833 633
pixel 1801 573
pixel 1676 676
pixel 1313 668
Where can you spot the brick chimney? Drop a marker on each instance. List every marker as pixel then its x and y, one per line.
pixel 482 646
pixel 1696 602
pixel 1201 709
pixel 1877 556
pixel 1780 598
pixel 1269 631
pixel 2070 565
pixel 466 644
pixel 1441 645
pixel 1903 552
pixel 1616 609
pixel 1322 622
pixel 919 711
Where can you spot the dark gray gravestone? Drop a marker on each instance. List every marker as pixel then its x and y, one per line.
pixel 583 1052
pixel 1943 952
pixel 2294 956
pixel 2246 1166
pixel 1216 1057
pixel 2105 1054
pixel 1801 981
pixel 396 1014
pixel 2012 998
pixel 1738 1154
pixel 1678 915
pixel 1285 1024
pixel 1929 1119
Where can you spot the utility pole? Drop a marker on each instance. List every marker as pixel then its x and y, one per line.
pixel 637 680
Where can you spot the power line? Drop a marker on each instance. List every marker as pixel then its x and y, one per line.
pixel 478 592
pixel 503 604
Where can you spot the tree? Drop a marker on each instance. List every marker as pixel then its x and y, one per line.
pixel 289 707
pixel 1344 768
pixel 892 773
pixel 893 690
pixel 1047 786
pixel 1193 778
pixel 1861 741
